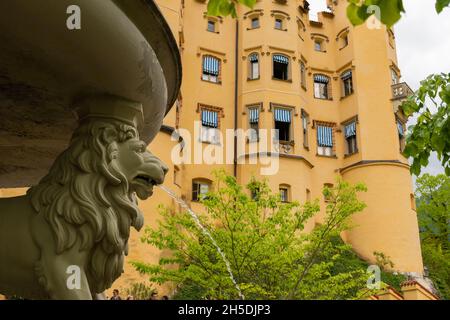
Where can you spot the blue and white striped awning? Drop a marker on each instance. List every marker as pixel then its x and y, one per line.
pixel 253 57
pixel 253 115
pixel 346 75
pixel 210 118
pixel 282 115
pixel 325 136
pixel 321 78
pixel 401 131
pixel 350 130
pixel 280 58
pixel 211 65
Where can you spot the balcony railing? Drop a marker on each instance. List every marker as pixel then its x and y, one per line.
pixel 401 91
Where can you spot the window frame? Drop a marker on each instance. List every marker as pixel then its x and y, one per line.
pixel 401 138
pixel 212 133
pixel 252 26
pixel 197 191
pixel 281 23
pixel 347 90
pixel 305 131
pixel 326 151
pixel 288 67
pixel 208 76
pixel 251 125
pixel 289 125
pixel 303 81
pixel 251 64
pixel 329 186
pixel 321 87
pixel 286 190
pixel 214 26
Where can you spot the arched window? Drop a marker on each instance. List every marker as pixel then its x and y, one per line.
pixel 322 87
pixel 280 67
pixel 253 65
pixel 211 69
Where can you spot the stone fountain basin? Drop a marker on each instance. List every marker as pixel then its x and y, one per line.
pixel 124 48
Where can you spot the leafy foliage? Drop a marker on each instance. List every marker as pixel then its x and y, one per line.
pixel 227 7
pixel 432 131
pixel 390 11
pixel 358 11
pixel 271 255
pixel 140 291
pixel 433 208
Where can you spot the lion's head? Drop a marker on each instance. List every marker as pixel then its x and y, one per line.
pixel 88 197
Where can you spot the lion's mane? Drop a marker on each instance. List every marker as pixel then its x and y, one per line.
pixel 86 200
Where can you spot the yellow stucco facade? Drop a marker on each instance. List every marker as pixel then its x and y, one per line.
pixel 329 47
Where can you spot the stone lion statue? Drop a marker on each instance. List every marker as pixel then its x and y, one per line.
pixel 67 237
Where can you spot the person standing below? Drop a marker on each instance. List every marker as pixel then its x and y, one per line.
pixel 116 295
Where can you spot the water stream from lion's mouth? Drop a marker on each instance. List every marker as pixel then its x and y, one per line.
pixel 202 228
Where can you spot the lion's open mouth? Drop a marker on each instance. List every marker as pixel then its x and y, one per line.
pixel 145 180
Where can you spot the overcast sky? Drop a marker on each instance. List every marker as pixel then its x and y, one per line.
pixel 423 46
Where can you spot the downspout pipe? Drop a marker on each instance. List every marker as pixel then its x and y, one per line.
pixel 236 77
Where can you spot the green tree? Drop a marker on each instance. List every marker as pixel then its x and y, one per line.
pixel 263 238
pixel 433 209
pixel 432 130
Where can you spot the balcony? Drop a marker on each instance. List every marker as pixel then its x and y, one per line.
pixel 401 91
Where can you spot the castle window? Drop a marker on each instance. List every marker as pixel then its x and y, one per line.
pixel 319 45
pixel 253 119
pixel 347 83
pixel 210 124
pixel 284 193
pixel 253 60
pixel 322 87
pixel 211 69
pixel 350 138
pixel 303 75
pixel 308 195
pixel 279 24
pixel 394 77
pixel 324 140
pixel 305 122
pixel 200 189
pixel 254 23
pixel 176 176
pixel 282 119
pixel 401 134
pixel 343 40
pixel 211 26
pixel 329 186
pixel 280 67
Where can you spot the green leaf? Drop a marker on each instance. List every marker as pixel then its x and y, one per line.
pixel 390 11
pixel 356 14
pixel 441 4
pixel 214 7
